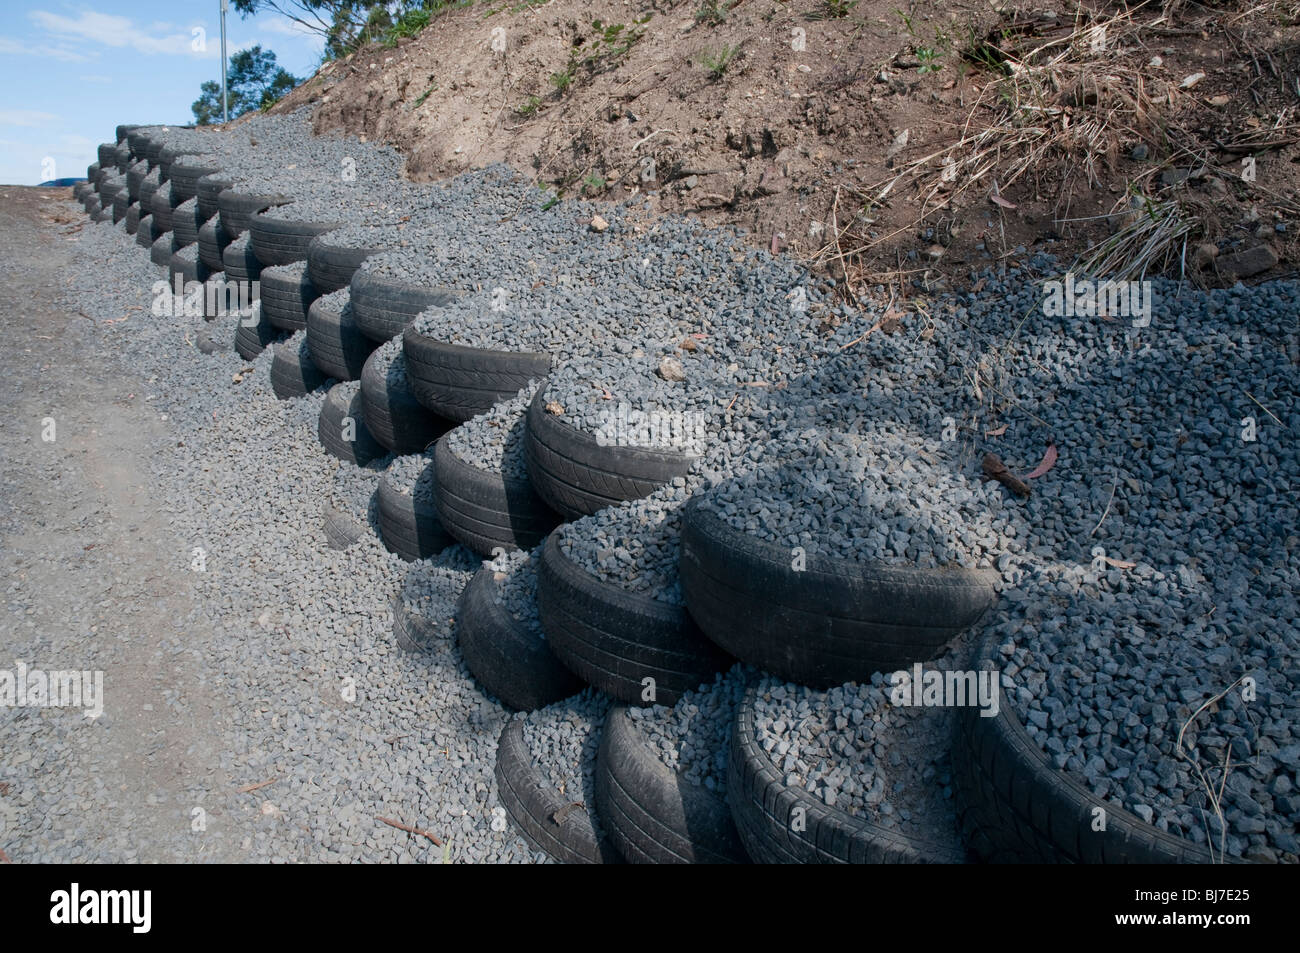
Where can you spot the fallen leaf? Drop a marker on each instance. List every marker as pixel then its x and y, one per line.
pixel 999 200
pixel 1118 563
pixel 1048 461
pixel 996 433
pixel 552 407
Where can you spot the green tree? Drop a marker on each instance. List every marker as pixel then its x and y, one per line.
pixel 345 25
pixel 252 82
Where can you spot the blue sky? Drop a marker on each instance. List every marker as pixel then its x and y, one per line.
pixel 71 72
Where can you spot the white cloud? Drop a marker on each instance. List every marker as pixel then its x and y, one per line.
pixel 121 32
pixel 8 45
pixel 25 117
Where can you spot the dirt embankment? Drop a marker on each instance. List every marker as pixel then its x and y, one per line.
pixel 897 144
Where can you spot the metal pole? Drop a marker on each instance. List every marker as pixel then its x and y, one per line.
pixel 225 102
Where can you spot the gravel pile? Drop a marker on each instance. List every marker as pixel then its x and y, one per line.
pixel 494 441
pixel 432 586
pixel 353 488
pixel 635 546
pixel 563 740
pixel 412 475
pixel 516 587
pixel 851 749
pixel 390 360
pixel 693 737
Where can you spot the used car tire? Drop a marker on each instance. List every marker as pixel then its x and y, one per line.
pixel 186 224
pixel 1018 808
pixel 394 416
pixel 239 262
pixel 485 511
pixel 331 266
pixel 341 530
pixel 383 307
pixel 208 190
pixel 612 638
pixel 185 179
pixel 286 294
pixel 503 655
pixel 763 807
pixel 410 528
pixel 212 243
pixel 293 373
pixel 577 476
pixel 282 241
pixel 829 623
pixel 144 235
pixel 160 252
pixel 254 335
pixel 337 347
pixel 651 814
pixel 132 219
pixel 238 208
pixel 459 382
pixel 161 206
pixel 330 429
pixel 547 821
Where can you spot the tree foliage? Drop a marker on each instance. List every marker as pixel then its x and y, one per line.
pixel 253 81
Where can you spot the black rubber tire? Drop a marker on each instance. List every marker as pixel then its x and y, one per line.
pixel 394 416
pixel 545 819
pixel 134 179
pixel 79 190
pixel 144 236
pixel 832 622
pixel 132 218
pixel 282 241
pixel 485 512
pixel 238 208
pixel 161 206
pixel 337 347
pixel 763 808
pixel 107 154
pixel 612 638
pixel 576 476
pixel 208 190
pixel 1018 808
pixel 341 530
pixel 293 373
pixel 331 267
pixel 185 179
pixel 147 191
pixel 186 223
pixel 212 243
pixel 121 202
pixel 122 157
pixel 459 382
pixel 503 655
pixel 152 148
pixel 285 298
pixel 167 157
pixel 160 252
pixel 383 307
pixel 136 140
pixel 329 429
pixel 124 130
pixel 415 633
pixel 240 263
pixel 92 174
pixel 255 335
pixel 408 527
pixel 188 270
pixel 103 214
pixel 651 815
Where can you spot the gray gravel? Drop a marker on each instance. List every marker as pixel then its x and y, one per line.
pixel 516 586
pixel 413 475
pixel 563 740
pixel 494 441
pixel 693 737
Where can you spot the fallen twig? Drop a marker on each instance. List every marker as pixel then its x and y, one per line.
pixel 249 788
pixel 995 469
pixel 410 830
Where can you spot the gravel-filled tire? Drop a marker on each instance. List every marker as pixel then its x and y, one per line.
pixel 79 190
pixel 651 815
pixel 208 190
pixel 1018 808
pixel 409 527
pixel 121 202
pixel 282 241
pixel 337 347
pixel 558 827
pixel 459 382
pixel 254 336
pixel 764 808
pixel 161 206
pixel 330 429
pixel 144 236
pixel 167 157
pixel 384 307
pixel 107 154
pixel 132 218
pixel 213 240
pixel 505 657
pixel 186 224
pixel 188 270
pixel 285 300
pixel 293 373
pixel 134 179
pixel 160 252
pixel 185 180
pixel 92 174
pixel 341 530
pixel 412 631
pixel 394 416
pixel 122 157
pixel 238 208
pixel 485 511
pixel 829 623
pixel 147 191
pixel 577 476
pixel 612 638
pixel 331 266
pixel 103 214
pixel 240 264
pixel 136 141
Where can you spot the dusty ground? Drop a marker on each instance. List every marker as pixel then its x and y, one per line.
pixel 93 580
pixel 795 135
